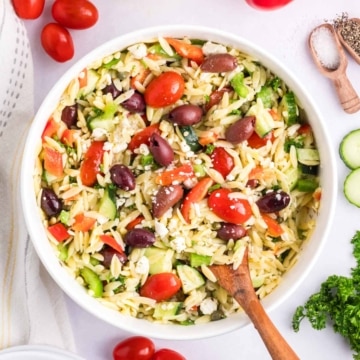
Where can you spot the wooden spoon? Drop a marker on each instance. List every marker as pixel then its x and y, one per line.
pixel 336 71
pixel 238 284
pixel 346 45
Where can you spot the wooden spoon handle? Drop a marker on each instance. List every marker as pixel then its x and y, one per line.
pixel 348 97
pixel 277 346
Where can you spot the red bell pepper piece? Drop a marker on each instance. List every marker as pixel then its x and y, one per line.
pixel 143 136
pixel 90 167
pixel 83 223
pixel 188 51
pixel 59 232
pixel 51 129
pixel 176 175
pixel 53 163
pixel 110 240
pixel 274 229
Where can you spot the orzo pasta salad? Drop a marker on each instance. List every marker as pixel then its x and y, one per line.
pixel 167 157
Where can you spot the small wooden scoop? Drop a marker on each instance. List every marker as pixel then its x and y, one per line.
pixel 336 72
pixel 238 284
pixel 346 45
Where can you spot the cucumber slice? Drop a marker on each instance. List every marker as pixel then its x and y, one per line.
pixel 190 137
pixel 292 177
pixel 309 157
pixel 160 260
pixel 106 120
pixel 198 260
pixel 307 185
pixel 289 109
pixel 352 188
pixel 191 279
pixel 93 281
pixel 107 205
pixel 166 310
pixel 350 149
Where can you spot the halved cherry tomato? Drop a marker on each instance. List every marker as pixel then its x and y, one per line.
pixel 186 50
pixel 83 223
pixel 274 228
pixel 143 136
pixel 165 89
pixel 53 163
pixel 161 286
pixel 59 232
pixel 75 14
pixel 28 9
pixel 57 42
pixel 268 4
pixel 197 193
pixel 167 354
pixel 230 209
pixel 110 240
pixel 134 348
pixel 222 161
pixel 256 142
pixel 90 167
pixel 176 175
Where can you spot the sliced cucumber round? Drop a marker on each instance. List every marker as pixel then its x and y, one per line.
pixel 352 188
pixel 350 149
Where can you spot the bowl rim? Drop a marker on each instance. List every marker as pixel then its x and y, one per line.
pixel 125 322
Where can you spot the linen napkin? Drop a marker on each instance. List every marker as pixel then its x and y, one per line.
pixel 32 306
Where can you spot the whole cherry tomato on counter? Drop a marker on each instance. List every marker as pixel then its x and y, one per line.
pixel 268 4
pixel 28 9
pixel 165 89
pixel 57 42
pixel 161 286
pixel 167 354
pixel 75 14
pixel 134 348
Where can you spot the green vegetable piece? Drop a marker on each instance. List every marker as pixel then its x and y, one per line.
pixel 166 310
pixel 92 79
pixel 93 281
pixel 106 120
pixel 267 96
pixel 351 187
pixel 307 185
pixel 160 260
pixel 64 217
pixel 198 260
pixel 199 170
pixel 190 137
pixel 107 205
pixel 191 279
pixel 63 251
pixel 289 109
pixel 350 149
pixel 237 83
pixel 309 157
pixel 111 63
pixel 147 160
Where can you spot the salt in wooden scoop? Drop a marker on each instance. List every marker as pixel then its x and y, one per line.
pixel 239 285
pixel 331 60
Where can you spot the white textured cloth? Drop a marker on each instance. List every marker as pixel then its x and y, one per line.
pixel 32 306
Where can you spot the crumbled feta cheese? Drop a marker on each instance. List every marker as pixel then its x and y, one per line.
pixel 142 266
pixel 143 149
pixel 108 146
pixel 211 48
pixel 120 202
pixel 160 229
pixel 117 148
pixel 178 244
pixel 102 219
pixel 98 133
pixel 139 51
pixel 208 306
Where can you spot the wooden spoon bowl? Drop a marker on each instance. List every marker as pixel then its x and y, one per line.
pixel 237 282
pixel 346 45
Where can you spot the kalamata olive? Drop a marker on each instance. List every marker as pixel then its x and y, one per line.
pixel 230 231
pixel 218 63
pixel 161 150
pixel 107 252
pixel 166 198
pixel 122 177
pixel 135 103
pixel 69 115
pixel 186 114
pixel 50 203
pixel 139 238
pixel 240 130
pixel 273 201
pixel 111 89
pixel 252 183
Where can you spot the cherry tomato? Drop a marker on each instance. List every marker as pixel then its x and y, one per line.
pixel 28 9
pixel 57 42
pixel 222 161
pixel 268 4
pixel 161 286
pixel 90 167
pixel 134 348
pixel 143 136
pixel 75 14
pixel 167 354
pixel 165 89
pixel 231 209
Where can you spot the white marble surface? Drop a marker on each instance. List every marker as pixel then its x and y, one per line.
pixel 283 33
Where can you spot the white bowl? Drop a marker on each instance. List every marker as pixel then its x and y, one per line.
pixel 291 280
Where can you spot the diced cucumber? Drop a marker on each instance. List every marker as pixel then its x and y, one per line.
pixel 289 109
pixel 106 120
pixel 63 251
pixel 166 310
pixel 350 149
pixel 237 83
pixel 267 96
pixel 191 279
pixel 49 178
pixel 309 157
pixel 307 185
pixel 190 137
pixel 352 188
pixel 160 260
pixel 264 122
pixel 292 176
pixel 309 169
pixel 107 206
pixel 198 260
pixel 92 78
pixel 93 281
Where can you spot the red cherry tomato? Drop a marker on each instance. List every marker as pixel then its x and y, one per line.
pixel 230 209
pixel 143 136
pixel 165 89
pixel 268 4
pixel 28 9
pixel 75 14
pixel 167 354
pixel 134 348
pixel 222 161
pixel 161 286
pixel 57 42
pixel 90 167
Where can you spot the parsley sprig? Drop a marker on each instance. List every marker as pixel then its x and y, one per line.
pixel 337 303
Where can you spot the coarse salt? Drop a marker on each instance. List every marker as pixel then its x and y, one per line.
pixel 324 44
